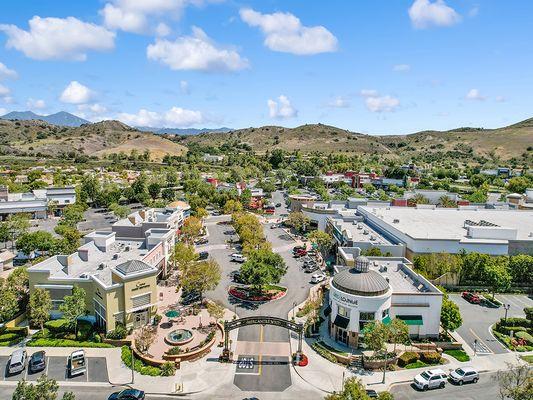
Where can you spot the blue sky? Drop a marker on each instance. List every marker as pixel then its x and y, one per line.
pixel 374 66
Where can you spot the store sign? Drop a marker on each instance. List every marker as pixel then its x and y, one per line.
pixel 343 299
pixel 140 285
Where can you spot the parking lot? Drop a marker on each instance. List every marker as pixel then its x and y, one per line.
pixel 478 319
pixel 56 368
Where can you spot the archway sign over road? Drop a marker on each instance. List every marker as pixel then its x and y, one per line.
pixel 260 320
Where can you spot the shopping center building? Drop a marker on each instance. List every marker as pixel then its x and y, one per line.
pixel 381 289
pixel 119 276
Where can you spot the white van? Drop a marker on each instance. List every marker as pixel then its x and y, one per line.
pixel 237 257
pixel 76 363
pixel 17 362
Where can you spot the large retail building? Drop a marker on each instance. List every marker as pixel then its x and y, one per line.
pixel 381 289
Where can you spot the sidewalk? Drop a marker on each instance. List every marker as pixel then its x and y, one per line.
pixel 328 377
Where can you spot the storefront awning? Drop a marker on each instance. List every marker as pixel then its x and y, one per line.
pixel 386 320
pixel 411 319
pixel 327 311
pixel 341 322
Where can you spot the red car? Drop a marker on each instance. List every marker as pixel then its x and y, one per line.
pixel 471 297
pixel 300 253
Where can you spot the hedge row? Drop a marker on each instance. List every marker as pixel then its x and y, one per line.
pixel 139 366
pixel 48 342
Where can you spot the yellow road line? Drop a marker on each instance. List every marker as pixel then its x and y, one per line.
pixel 260 355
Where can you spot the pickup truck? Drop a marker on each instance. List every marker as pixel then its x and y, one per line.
pixel 76 363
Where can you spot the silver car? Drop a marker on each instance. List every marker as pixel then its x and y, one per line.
pixel 17 362
pixel 464 375
pixel 431 379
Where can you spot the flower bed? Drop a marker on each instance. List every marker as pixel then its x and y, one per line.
pixel 245 293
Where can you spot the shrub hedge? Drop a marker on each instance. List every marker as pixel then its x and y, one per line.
pixel 431 357
pixel 139 365
pixel 324 352
pixel 526 336
pixel 50 342
pixel 408 357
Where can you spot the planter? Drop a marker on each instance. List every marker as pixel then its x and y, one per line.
pixel 241 294
pixel 377 364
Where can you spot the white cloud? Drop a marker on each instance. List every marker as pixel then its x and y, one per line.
pixel 176 117
pixel 133 15
pixel 95 108
pixel 196 52
pixel 35 104
pixel 474 11
pixel 184 87
pixel 474 94
pixel 281 109
pixel 8 99
pixel 58 38
pixel 123 19
pixel 284 32
pixel 76 93
pixel 427 13
pixel 369 93
pixel 4 91
pixel 3 111
pixel 163 29
pixel 501 99
pixel 6 73
pixel 339 102
pixel 401 68
pixel 376 103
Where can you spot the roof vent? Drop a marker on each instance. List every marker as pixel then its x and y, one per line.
pixel 396 221
pixel 101 266
pixel 127 248
pixel 115 256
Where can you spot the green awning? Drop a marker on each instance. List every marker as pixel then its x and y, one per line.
pixel 411 319
pixel 386 320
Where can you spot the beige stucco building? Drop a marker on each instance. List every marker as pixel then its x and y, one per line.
pixel 119 276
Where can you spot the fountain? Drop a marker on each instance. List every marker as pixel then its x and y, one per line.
pixel 179 337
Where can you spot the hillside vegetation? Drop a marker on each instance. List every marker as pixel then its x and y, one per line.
pixel 501 143
pixel 40 138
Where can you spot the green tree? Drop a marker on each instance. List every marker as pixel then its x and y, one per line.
pixel 168 194
pixel 154 189
pixel 119 211
pixel 516 382
pixel 450 316
pixel 192 227
pixel 477 180
pixel 521 269
pixel 518 184
pixel 9 305
pixel 323 240
pixel 375 335
pixel 232 206
pixel 44 389
pixel 41 241
pixel 90 187
pixel 204 276
pixel 73 307
pixel 183 256
pixel 215 309
pixel 298 220
pixel 263 267
pixel 497 276
pixel 40 307
pixel 18 281
pixel 352 389
pixel 398 332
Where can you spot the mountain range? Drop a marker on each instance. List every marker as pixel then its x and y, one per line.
pixel 183 131
pixel 61 118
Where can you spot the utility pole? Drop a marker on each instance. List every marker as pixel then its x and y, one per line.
pixel 506 307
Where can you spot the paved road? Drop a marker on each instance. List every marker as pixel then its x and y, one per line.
pixel 82 393
pixel 274 376
pixel 486 389
pixel 477 321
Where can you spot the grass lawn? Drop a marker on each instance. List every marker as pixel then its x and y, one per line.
pixel 418 364
pixel 529 359
pixel 459 355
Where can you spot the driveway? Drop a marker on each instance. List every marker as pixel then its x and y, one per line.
pixel 477 321
pixel 56 368
pixel 96 219
pixel 275 370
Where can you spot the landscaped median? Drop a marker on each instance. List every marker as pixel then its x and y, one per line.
pixel 266 293
pixel 57 333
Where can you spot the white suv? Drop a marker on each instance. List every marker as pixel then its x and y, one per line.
pixel 464 375
pixel 431 379
pixel 237 257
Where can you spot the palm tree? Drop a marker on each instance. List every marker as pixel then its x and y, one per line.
pixel 446 202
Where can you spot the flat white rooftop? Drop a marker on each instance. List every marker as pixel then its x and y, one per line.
pixel 449 223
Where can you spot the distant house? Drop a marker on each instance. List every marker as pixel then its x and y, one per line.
pixel 6 260
pixel 212 159
pixel 36 203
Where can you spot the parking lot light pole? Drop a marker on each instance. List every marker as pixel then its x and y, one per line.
pixel 506 307
pixel 132 365
pixel 294 310
pixel 475 347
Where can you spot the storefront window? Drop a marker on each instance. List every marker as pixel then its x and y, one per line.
pixel 365 318
pixel 385 313
pixel 343 312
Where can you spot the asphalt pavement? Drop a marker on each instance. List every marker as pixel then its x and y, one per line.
pixel 486 388
pixel 477 321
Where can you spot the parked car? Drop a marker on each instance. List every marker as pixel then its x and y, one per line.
pixel 17 362
pixel 274 226
pixel 238 257
pixel 201 241
pixel 372 393
pixel 203 255
pixel 431 379
pixel 300 253
pixel 297 248
pixel 229 232
pixel 76 363
pixel 486 302
pixel 37 362
pixel 127 394
pixel 317 278
pixel 311 269
pixel 236 277
pixel 278 205
pixel 189 297
pixel 471 297
pixel 464 375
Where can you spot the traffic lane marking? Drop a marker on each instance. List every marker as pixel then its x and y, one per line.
pixel 484 347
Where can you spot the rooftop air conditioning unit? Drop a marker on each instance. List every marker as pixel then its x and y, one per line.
pixel 83 276
pixel 395 221
pixel 115 256
pixel 101 266
pixel 127 248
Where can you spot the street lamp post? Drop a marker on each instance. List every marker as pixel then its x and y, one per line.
pixel 294 310
pixel 475 347
pixel 506 307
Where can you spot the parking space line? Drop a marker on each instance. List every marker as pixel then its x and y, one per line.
pixel 511 301
pixel 47 364
pixel 521 300
pixel 260 357
pixel 86 369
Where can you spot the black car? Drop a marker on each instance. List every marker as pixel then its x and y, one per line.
pixel 278 204
pixel 128 394
pixel 372 393
pixel 37 362
pixel 189 297
pixel 204 255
